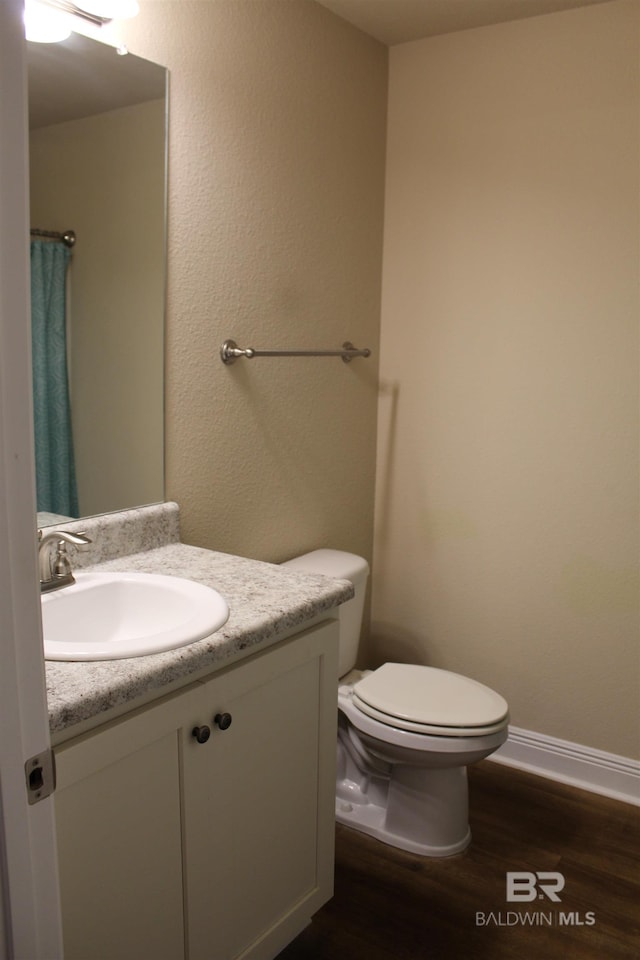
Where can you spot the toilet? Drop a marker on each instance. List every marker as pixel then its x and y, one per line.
pixel 406 734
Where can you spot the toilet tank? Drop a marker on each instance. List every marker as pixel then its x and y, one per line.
pixel 342 566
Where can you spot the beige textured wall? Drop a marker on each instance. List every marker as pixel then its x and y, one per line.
pixel 276 180
pixel 103 176
pixel 507 497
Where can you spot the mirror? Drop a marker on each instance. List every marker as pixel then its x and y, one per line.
pixel 98 167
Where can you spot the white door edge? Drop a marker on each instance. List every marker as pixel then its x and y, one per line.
pixel 30 926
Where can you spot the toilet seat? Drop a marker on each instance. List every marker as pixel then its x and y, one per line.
pixel 429 701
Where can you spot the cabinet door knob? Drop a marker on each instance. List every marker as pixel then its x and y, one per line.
pixel 201 734
pixel 223 720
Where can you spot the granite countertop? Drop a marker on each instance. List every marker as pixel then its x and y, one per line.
pixel 265 601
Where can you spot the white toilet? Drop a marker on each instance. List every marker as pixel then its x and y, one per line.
pixel 406 734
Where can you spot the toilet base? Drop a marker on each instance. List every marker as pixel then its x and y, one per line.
pixel 370 819
pixel 423 812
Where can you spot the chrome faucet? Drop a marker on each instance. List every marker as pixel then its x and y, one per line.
pixel 55 570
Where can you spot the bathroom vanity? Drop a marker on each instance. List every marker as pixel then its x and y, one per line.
pixel 195 788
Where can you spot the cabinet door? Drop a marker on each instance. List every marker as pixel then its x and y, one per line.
pixel 259 800
pixel 118 825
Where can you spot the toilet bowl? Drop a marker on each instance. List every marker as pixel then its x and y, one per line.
pixel 406 734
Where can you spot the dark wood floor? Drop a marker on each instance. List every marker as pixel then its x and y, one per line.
pixel 391 905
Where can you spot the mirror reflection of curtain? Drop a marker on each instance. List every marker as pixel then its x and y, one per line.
pixel 55 470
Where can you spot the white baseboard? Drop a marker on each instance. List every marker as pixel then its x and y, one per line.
pixel 583 767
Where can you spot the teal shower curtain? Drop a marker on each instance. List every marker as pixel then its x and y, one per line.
pixel 55 469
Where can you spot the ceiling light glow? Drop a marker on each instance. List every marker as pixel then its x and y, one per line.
pixel 43 24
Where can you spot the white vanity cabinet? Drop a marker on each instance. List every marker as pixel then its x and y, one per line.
pixel 174 848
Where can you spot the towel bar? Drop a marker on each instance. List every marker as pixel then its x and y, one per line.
pixel 230 352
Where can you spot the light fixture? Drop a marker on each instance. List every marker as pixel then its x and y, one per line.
pixel 44 24
pixel 109 9
pixel 50 21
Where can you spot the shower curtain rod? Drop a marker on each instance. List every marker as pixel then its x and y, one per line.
pixel 68 236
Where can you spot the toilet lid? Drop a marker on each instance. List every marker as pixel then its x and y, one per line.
pixel 411 696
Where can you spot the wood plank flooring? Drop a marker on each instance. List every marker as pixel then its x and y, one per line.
pixel 391 905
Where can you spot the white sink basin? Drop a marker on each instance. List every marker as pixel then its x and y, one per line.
pixel 108 616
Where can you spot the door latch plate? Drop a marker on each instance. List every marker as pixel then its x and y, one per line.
pixel 40 773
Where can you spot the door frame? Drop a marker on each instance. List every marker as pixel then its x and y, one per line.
pixel 30 924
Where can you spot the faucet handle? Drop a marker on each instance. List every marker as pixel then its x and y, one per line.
pixel 79 540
